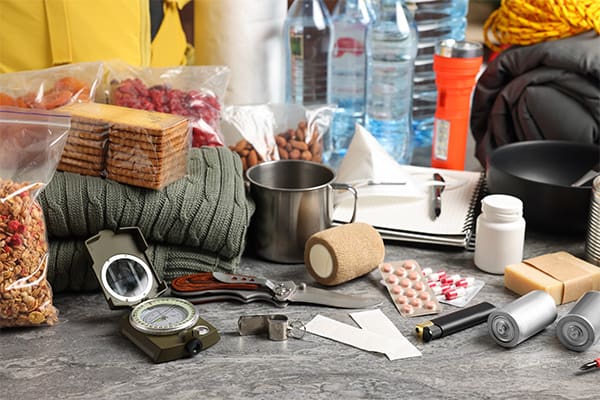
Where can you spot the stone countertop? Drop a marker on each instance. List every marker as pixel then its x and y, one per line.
pixel 85 357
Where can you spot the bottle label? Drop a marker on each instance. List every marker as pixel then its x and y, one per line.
pixel 308 74
pixel 348 45
pixel 296 45
pixel 442 139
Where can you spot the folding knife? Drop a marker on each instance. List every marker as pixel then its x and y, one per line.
pixel 207 287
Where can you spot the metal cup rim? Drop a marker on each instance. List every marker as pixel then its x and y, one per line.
pixel 267 164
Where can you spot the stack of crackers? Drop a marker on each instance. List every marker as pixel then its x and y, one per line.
pixel 85 148
pixel 140 148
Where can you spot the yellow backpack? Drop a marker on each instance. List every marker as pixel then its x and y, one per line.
pixel 38 34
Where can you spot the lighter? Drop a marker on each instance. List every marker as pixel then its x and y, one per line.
pixel 454 322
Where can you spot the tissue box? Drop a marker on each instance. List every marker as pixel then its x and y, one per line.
pixel 564 276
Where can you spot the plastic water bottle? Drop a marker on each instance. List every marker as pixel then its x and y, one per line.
pixel 308 33
pixel 346 75
pixel 436 20
pixel 391 51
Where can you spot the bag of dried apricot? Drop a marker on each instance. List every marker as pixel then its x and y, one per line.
pixel 50 88
pixel 31 144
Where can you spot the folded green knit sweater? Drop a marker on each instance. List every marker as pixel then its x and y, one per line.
pixel 69 268
pixel 197 223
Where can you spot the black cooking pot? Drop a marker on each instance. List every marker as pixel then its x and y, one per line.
pixel 540 173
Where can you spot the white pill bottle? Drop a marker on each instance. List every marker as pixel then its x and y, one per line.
pixel 499 233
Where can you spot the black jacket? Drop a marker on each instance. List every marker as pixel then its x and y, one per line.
pixel 550 90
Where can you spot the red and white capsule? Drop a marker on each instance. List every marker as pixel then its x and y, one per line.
pixel 446 288
pixel 450 279
pixel 455 293
pixel 465 282
pixel 437 290
pixel 433 284
pixel 437 276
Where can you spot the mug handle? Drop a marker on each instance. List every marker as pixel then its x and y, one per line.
pixel 351 189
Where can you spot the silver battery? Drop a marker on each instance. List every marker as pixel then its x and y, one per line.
pixel 580 328
pixel 522 318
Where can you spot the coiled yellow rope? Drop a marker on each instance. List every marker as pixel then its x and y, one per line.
pixel 525 22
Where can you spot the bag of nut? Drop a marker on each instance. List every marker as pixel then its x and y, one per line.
pixel 300 130
pixel 276 131
pixel 248 131
pixel 31 144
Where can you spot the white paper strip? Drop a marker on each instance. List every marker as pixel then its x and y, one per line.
pixel 356 337
pixel 377 322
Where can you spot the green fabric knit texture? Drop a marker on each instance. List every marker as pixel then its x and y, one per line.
pixel 69 267
pixel 197 223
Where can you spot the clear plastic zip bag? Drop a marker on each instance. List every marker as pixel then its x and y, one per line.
pixel 31 144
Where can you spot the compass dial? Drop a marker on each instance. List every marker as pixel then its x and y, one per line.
pixel 163 316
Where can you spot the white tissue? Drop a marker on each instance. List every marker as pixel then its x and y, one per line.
pixel 366 160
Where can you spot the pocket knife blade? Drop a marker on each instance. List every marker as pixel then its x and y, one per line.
pixel 312 295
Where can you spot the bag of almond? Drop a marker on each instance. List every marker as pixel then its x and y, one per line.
pixel 266 132
pixel 31 144
pixel 300 130
pixel 248 131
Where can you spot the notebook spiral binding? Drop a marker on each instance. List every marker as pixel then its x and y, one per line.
pixel 469 227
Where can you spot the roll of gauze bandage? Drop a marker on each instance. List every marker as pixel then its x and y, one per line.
pixel 337 255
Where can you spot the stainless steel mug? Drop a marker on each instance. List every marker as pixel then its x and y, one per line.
pixel 294 200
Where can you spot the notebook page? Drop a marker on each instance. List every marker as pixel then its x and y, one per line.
pixel 413 214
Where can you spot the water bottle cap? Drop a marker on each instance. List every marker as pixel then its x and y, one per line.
pixel 458 49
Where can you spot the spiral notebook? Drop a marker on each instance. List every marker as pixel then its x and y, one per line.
pixel 408 216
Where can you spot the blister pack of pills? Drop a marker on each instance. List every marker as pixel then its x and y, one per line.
pixel 408 288
pixel 452 288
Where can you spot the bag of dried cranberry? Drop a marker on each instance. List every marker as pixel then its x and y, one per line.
pixel 190 91
pixel 31 144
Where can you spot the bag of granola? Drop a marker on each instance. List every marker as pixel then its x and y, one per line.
pixel 31 144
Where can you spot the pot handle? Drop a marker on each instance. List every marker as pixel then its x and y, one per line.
pixel 351 189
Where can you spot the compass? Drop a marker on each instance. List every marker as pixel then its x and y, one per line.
pixel 163 316
pixel 165 328
pixel 168 328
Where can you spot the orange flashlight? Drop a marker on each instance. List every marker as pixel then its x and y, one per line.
pixel 456 64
